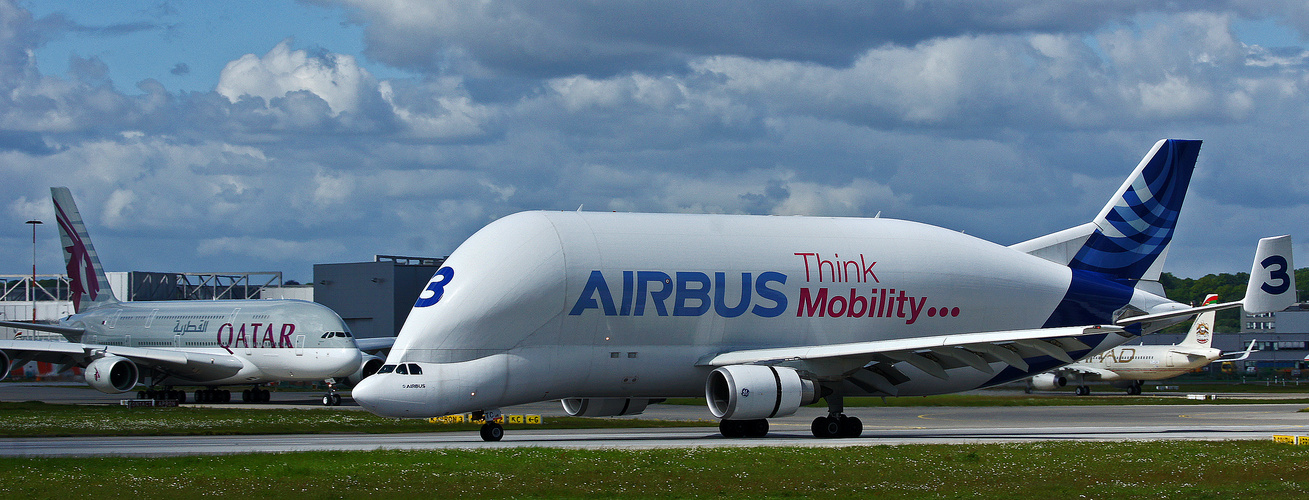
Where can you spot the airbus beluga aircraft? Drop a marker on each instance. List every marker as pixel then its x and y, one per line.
pixel 186 342
pixel 762 314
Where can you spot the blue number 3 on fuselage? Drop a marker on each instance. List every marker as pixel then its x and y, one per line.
pixel 435 288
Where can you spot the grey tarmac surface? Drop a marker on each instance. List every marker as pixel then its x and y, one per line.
pixel 882 426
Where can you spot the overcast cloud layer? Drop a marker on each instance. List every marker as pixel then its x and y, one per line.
pixel 1007 120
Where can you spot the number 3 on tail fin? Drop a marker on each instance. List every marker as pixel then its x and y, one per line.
pixel 1271 287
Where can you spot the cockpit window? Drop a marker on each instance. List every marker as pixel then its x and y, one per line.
pixel 414 369
pixel 386 369
pixel 401 369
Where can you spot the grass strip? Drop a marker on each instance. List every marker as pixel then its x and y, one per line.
pixel 36 419
pixel 1195 470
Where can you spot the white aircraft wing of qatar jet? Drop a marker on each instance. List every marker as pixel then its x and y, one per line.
pixel 763 314
pixel 183 342
pixel 1128 367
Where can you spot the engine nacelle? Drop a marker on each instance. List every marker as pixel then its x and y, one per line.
pixel 112 374
pixel 604 407
pixel 5 363
pixel 367 367
pixel 1048 382
pixel 748 392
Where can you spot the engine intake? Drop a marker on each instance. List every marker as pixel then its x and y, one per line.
pixel 367 367
pixel 604 407
pixel 747 392
pixel 1048 382
pixel 112 374
pixel 6 364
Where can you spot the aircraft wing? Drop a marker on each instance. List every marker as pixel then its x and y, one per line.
pixel 870 365
pixel 191 365
pixel 62 330
pixel 371 344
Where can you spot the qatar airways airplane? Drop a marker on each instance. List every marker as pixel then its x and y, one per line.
pixel 187 342
pixel 609 312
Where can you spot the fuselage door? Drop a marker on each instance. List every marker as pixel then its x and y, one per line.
pixel 299 345
pixel 113 319
pixel 151 318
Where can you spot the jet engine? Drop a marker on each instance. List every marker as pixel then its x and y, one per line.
pixel 604 407
pixel 367 367
pixel 112 374
pixel 4 364
pixel 747 392
pixel 1048 382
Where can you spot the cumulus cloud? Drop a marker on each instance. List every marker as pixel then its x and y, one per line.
pixel 1004 119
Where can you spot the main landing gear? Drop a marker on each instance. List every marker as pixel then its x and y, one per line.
pixel 162 395
pixel 1083 390
pixel 756 428
pixel 213 396
pixel 491 430
pixel 256 395
pixel 331 398
pixel 836 424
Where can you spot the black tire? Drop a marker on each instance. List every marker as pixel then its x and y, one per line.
pixel 826 427
pixel 140 394
pixel 336 400
pixel 227 396
pixel 245 396
pixel 327 400
pixel 756 428
pixel 492 431
pixel 731 428
pixel 851 427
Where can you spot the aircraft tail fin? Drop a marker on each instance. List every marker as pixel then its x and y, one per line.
pixel 89 286
pixel 1272 277
pixel 1128 239
pixel 1201 333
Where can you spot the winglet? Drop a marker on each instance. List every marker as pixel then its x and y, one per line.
pixel 1272 277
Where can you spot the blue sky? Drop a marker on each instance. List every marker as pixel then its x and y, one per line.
pixel 272 135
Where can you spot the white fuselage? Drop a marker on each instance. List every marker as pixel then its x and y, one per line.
pixel 1144 362
pixel 548 305
pixel 274 340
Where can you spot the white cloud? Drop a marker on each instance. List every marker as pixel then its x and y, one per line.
pixel 336 78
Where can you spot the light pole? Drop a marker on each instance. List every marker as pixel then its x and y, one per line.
pixel 30 294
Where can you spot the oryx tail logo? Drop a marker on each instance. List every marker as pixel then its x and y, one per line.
pixel 81 271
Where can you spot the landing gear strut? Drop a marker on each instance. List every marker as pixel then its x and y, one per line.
pixel 836 424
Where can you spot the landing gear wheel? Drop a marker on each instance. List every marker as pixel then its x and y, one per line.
pixel 1083 390
pixel 851 427
pixel 731 428
pixel 756 428
pixel 826 427
pixel 492 431
pixel 1134 390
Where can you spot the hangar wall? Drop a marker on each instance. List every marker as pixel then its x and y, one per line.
pixel 373 298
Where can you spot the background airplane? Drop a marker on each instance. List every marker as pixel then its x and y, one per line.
pixel 186 342
pixel 763 314
pixel 1128 367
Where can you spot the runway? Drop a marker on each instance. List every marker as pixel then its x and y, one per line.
pixel 882 426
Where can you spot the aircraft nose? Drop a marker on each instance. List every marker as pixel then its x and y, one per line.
pixel 383 395
pixel 368 393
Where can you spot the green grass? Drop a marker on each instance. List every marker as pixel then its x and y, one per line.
pixel 35 419
pixel 1192 470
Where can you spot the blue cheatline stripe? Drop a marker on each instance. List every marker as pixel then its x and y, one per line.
pixel 1136 231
